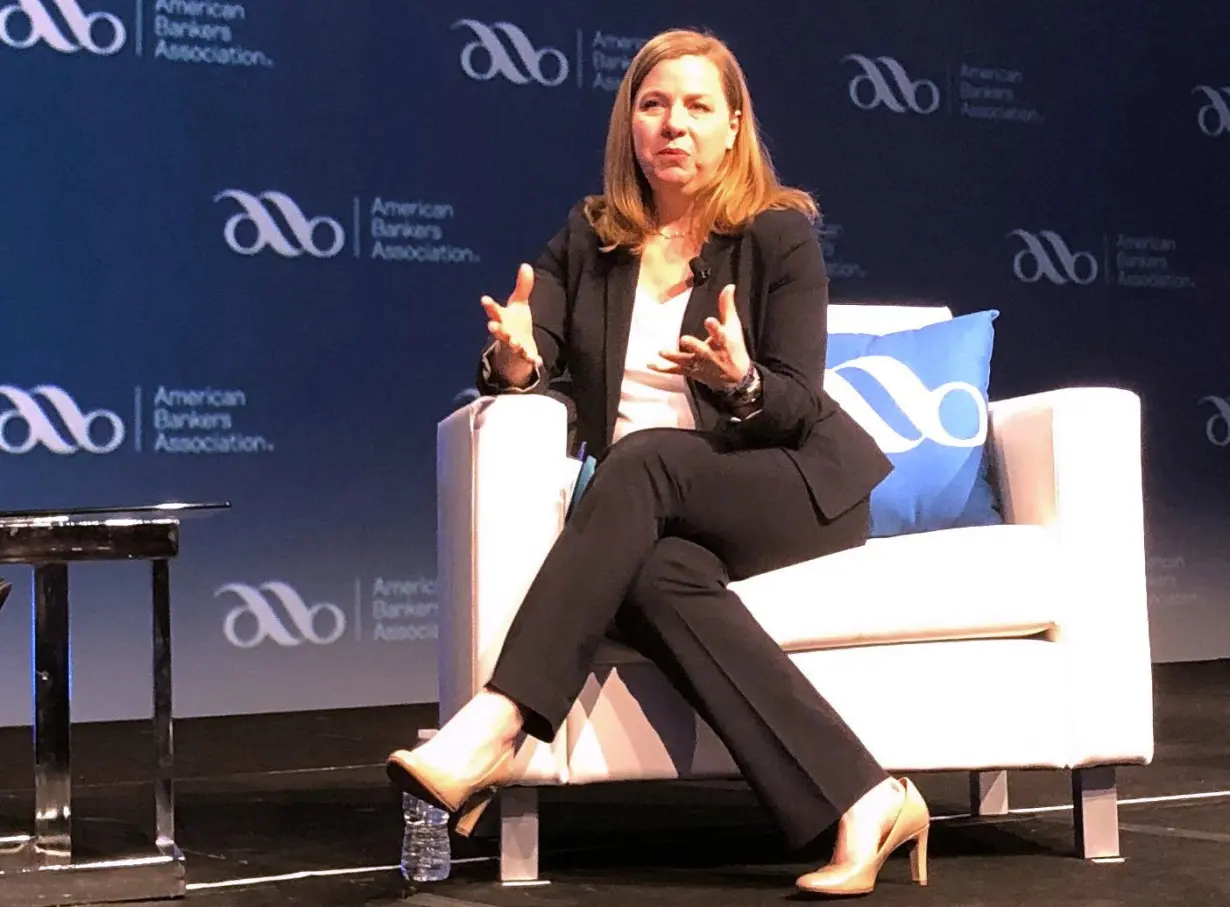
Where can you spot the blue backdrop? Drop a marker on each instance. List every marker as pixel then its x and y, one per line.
pixel 243 244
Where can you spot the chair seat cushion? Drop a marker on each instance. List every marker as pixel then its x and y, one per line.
pixel 980 582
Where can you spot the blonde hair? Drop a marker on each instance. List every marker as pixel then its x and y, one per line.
pixel 744 185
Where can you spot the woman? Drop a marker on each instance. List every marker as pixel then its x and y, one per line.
pixel 688 304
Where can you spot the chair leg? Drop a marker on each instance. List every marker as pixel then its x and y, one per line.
pixel 1096 813
pixel 988 793
pixel 519 836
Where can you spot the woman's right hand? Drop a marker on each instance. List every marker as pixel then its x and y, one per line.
pixel 515 356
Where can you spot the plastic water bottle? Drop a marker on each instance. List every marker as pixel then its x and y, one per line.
pixel 425 851
pixel 426 854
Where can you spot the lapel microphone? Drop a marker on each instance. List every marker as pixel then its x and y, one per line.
pixel 700 270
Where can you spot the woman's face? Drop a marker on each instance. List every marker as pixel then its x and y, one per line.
pixel 682 126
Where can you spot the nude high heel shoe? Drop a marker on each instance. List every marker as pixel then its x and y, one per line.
pixel 467 798
pixel 912 825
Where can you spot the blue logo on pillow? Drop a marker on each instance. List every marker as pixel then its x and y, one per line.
pixel 922 395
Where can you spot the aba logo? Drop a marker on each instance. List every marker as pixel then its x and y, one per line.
pixel 918 403
pixel 25 23
pixel 884 81
pixel 498 44
pixel 321 237
pixel 1046 254
pixel 1217 429
pixel 294 625
pixel 50 418
pixel 1214 116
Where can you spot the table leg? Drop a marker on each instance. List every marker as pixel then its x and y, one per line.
pixel 52 719
pixel 164 779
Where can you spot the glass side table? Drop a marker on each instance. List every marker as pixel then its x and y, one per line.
pixel 39 868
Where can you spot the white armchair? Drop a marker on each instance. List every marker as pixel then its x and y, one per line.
pixel 1026 645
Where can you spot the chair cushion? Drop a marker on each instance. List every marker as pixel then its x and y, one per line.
pixel 922 394
pixel 981 582
pixel 977 582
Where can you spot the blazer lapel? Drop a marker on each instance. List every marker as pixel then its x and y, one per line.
pixel 620 298
pixel 703 303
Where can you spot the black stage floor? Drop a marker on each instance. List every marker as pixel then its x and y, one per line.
pixel 304 794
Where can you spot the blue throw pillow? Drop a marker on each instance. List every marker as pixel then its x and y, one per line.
pixel 922 395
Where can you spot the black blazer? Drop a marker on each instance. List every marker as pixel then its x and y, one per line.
pixel 582 307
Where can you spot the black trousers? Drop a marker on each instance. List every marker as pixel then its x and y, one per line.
pixel 669 519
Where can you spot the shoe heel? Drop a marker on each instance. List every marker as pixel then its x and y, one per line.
pixel 918 857
pixel 472 812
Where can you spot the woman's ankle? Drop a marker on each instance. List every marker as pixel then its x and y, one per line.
pixel 877 799
pixel 505 714
pixel 890 786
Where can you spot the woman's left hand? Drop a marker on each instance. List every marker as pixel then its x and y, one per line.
pixel 719 361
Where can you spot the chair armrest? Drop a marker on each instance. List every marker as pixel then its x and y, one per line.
pixel 1070 460
pixel 502 480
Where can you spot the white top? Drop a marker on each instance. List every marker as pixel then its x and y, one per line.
pixel 649 399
